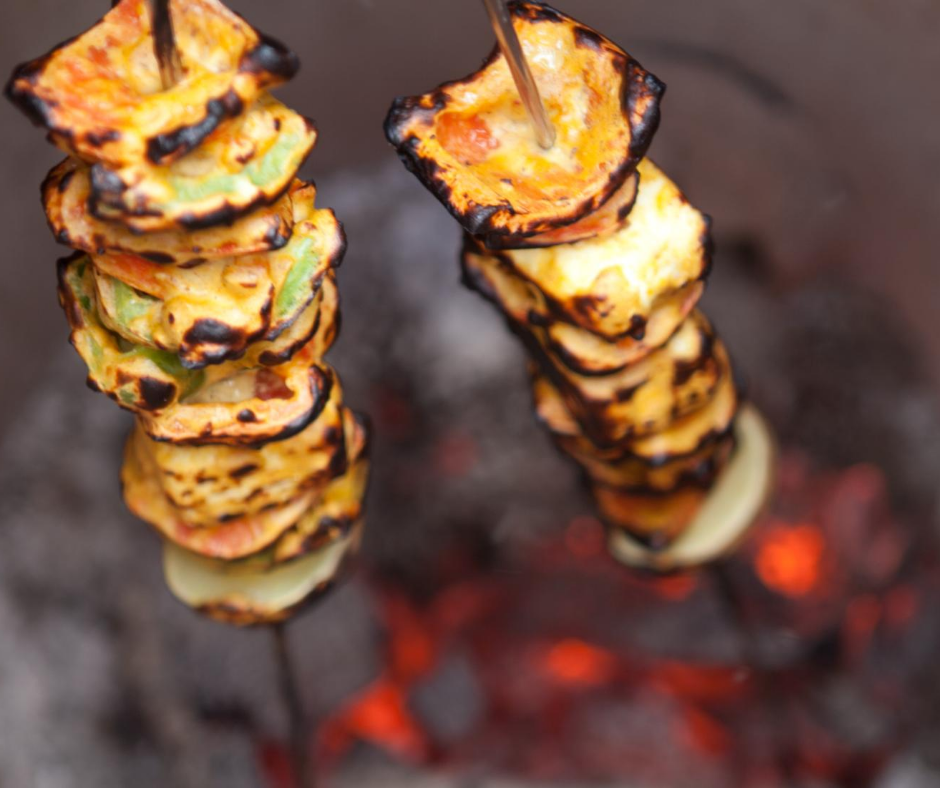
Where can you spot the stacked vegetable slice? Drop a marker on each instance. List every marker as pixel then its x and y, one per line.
pixel 598 261
pixel 202 298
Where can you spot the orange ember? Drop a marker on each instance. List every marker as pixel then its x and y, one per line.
pixel 790 560
pixel 578 663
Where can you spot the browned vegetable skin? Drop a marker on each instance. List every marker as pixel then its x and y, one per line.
pixel 597 261
pixel 203 299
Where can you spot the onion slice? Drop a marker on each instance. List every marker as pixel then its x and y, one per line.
pixel 727 514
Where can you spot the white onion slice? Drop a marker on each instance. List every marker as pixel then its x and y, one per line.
pixel 729 511
pixel 201 582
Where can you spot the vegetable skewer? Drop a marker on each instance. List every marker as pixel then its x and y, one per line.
pixel 598 261
pixel 203 298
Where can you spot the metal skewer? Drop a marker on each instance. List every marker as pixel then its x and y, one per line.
pixel 164 43
pixel 521 73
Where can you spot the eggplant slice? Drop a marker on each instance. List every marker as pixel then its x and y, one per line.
pixel 215 311
pixel 243 166
pixel 66 196
pixel 101 97
pixel 471 143
pixel 209 486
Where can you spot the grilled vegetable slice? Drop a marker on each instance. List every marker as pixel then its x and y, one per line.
pixel 66 195
pixel 726 515
pixel 655 520
pixel 234 539
pixel 611 285
pixel 212 312
pixel 697 470
pixel 138 378
pixel 684 438
pixel 210 485
pixel 241 167
pixel 237 403
pixel 337 511
pixel 246 597
pixel 579 350
pixel 101 98
pixel 650 395
pixel 472 145
pixel 607 219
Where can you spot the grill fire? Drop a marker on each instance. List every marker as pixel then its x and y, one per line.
pixel 795 661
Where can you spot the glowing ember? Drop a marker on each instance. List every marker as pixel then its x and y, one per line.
pixel 578 663
pixel 790 559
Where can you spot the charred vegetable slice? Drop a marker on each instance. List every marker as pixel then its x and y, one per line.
pixel 471 143
pixel 338 510
pixel 213 312
pixel 609 218
pixel 243 166
pixel 611 285
pixel 211 485
pixel 576 348
pixel 647 397
pixel 683 439
pixel 246 597
pixel 655 520
pixel 66 195
pixel 237 403
pixel 727 513
pixel 138 378
pixel 101 98
pixel 230 540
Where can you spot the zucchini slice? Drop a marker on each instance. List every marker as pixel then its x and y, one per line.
pixel 612 285
pixel 577 349
pixel 230 540
pixel 727 513
pixel 243 166
pixel 682 440
pixel 649 396
pixel 208 486
pixel 256 597
pixel 237 403
pixel 655 520
pixel 338 509
pixel 213 312
pixel 471 143
pixel 66 195
pixel 607 219
pixel 101 98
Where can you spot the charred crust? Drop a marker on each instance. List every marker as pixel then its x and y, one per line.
pixel 272 57
pixel 180 141
pixel 100 139
pixel 208 331
pixel 589 39
pixel 278 234
pixel 626 210
pixel 105 182
pixel 156 394
pixel 639 86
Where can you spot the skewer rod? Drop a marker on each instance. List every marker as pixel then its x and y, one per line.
pixel 164 43
pixel 521 73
